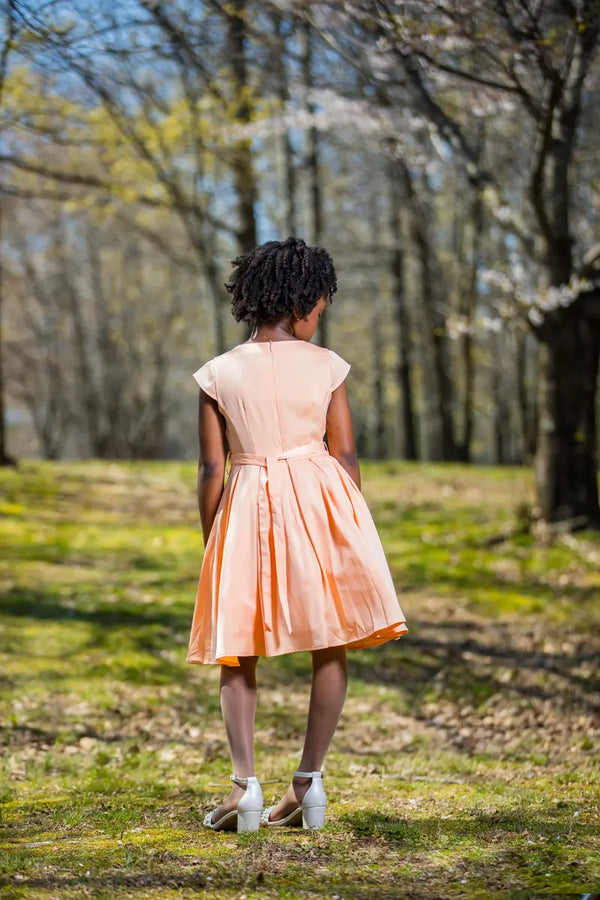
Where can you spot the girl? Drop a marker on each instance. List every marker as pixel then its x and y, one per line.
pixel 293 560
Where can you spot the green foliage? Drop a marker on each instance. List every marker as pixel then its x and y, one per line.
pixel 466 762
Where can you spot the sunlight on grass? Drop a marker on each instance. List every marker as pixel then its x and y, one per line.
pixel 466 761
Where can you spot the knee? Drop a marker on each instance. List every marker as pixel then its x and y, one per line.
pixel 335 656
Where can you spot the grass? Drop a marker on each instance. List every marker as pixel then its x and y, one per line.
pixel 466 762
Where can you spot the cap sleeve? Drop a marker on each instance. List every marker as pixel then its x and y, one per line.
pixel 206 378
pixel 339 369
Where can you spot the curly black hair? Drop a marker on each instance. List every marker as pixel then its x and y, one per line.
pixel 278 277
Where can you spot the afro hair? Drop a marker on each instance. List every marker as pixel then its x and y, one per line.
pixel 278 277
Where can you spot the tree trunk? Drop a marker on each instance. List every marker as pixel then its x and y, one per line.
pixel 243 168
pixel 443 445
pixel 500 422
pixel 88 389
pixel 408 432
pixel 218 298
pixel 10 28
pixel 289 187
pixel 526 404
pixel 467 304
pixel 5 459
pixel 567 455
pixel 377 343
pixel 100 334
pixel 312 164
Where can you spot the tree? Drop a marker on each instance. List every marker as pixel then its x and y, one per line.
pixel 172 109
pixel 408 431
pixel 538 58
pixel 90 348
pixel 9 37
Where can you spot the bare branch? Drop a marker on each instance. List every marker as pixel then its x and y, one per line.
pixel 158 241
pixel 463 73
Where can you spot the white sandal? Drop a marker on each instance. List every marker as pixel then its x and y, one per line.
pixel 247 816
pixel 311 813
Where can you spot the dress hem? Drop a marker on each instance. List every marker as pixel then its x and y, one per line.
pixel 359 643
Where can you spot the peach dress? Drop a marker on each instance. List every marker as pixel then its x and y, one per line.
pixel 293 560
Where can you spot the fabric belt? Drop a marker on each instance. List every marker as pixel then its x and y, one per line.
pixel 270 510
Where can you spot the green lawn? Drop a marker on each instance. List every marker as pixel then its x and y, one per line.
pixel 467 760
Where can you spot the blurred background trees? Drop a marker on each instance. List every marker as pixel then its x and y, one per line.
pixel 445 155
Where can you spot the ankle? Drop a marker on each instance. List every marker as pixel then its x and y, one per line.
pixel 305 774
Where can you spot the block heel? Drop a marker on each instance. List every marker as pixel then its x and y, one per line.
pixel 248 814
pixel 313 817
pixel 248 821
pixel 311 813
pixel 314 801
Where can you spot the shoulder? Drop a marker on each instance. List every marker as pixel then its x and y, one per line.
pixel 210 366
pixel 339 368
pixel 335 357
pixel 205 376
pixel 336 366
pixel 325 353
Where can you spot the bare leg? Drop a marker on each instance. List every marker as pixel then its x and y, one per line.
pixel 328 692
pixel 238 705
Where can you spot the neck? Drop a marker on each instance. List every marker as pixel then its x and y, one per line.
pixel 280 332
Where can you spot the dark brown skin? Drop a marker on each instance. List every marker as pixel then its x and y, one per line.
pixel 340 434
pixel 211 461
pixel 211 423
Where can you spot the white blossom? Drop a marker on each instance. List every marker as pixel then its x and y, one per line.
pixel 457 326
pixel 330 110
pixel 490 323
pixel 504 213
pixel 497 279
pixel 535 316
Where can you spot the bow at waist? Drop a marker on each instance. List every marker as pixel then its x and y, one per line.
pixel 313 448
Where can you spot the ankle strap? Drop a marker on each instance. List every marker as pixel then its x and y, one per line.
pixel 243 781
pixel 308 774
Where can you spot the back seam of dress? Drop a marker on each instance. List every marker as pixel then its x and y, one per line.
pixel 272 357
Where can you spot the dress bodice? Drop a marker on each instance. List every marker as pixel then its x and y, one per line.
pixel 273 394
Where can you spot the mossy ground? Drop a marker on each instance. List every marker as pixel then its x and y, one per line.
pixel 466 763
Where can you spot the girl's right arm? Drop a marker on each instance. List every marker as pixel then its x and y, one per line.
pixel 340 434
pixel 211 460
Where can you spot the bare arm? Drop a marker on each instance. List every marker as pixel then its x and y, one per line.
pixel 211 460
pixel 340 434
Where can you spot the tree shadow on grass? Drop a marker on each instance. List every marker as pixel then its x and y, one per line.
pixel 489 852
pixel 417 658
pixel 44 604
pixel 504 653
pixel 118 879
pixel 131 642
pixel 475 581
pixel 455 831
pixel 507 836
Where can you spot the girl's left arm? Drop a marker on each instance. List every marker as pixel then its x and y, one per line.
pixel 211 460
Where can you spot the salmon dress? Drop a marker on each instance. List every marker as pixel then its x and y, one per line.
pixel 293 560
